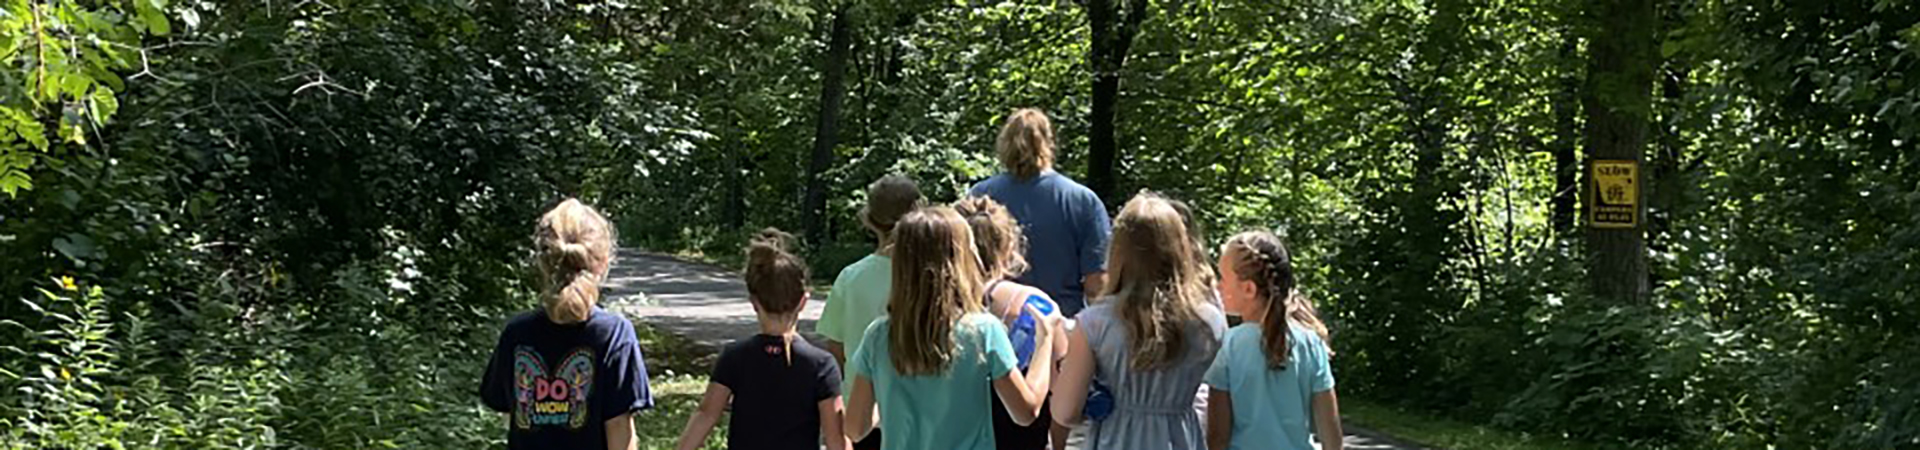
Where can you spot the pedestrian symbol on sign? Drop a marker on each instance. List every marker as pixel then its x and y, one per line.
pixel 1616 184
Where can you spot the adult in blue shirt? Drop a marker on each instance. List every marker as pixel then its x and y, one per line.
pixel 1066 225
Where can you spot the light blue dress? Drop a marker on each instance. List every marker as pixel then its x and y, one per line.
pixel 1152 410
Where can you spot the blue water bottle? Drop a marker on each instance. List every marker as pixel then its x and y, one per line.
pixel 1022 330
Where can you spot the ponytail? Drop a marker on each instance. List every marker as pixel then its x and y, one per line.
pixel 580 292
pixel 573 247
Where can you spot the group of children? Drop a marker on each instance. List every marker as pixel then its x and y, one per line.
pixel 941 347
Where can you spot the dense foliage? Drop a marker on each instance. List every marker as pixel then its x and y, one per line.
pixel 296 224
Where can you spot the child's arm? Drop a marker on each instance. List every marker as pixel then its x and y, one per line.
pixel 1076 373
pixel 711 406
pixel 1220 419
pixel 1040 370
pixel 1326 420
pixel 831 431
pixel 860 415
pixel 1060 339
pixel 620 433
pixel 1026 394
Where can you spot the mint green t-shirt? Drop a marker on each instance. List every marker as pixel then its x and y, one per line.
pixel 1272 409
pixel 947 411
pixel 859 295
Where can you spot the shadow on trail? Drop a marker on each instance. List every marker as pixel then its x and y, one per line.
pixel 704 303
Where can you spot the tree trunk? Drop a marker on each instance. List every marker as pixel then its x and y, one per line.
pixel 1100 140
pixel 1112 34
pixel 832 89
pixel 1566 157
pixel 1619 96
pixel 737 165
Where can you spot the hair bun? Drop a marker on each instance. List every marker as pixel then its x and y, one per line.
pixel 767 245
pixel 776 279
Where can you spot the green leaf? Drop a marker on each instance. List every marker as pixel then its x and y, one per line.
pixel 75 85
pixel 14 181
pixel 103 105
pixel 26 127
pixel 152 14
pixel 74 245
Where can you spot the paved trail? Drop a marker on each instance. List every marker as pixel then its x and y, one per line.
pixel 704 303
pixel 708 305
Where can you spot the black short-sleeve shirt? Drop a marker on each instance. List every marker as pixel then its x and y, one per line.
pixel 560 383
pixel 776 398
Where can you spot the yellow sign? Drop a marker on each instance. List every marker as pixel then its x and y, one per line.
pixel 1616 196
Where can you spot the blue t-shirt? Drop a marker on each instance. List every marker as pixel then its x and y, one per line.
pixel 946 411
pixel 1067 230
pixel 560 383
pixel 1272 409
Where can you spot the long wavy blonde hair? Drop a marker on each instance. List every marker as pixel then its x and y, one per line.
pixel 1157 280
pixel 573 247
pixel 936 280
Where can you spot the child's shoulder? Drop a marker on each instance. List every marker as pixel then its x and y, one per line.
pixel 525 318
pixel 609 321
pixel 1244 332
pixel 524 322
pixel 1099 308
pixel 978 319
pixel 869 263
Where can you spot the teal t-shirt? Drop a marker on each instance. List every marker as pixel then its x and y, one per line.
pixel 948 411
pixel 1272 409
pixel 859 295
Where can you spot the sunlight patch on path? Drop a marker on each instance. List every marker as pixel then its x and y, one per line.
pixel 704 303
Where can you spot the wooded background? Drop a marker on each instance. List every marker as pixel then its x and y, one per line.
pixel 299 224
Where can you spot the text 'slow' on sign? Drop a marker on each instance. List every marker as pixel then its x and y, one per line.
pixel 1616 185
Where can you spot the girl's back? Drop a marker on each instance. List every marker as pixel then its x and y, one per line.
pixel 1150 407
pixel 776 385
pixel 1271 406
pixel 948 410
pixel 560 383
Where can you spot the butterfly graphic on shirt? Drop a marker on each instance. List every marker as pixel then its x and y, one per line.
pixel 551 397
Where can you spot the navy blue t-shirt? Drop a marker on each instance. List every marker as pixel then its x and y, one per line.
pixel 1067 230
pixel 776 392
pixel 560 383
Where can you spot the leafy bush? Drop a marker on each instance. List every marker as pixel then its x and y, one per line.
pixel 303 221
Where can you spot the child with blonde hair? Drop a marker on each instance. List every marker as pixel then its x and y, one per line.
pixel 570 374
pixel 784 392
pixel 1271 381
pixel 929 363
pixel 1149 338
